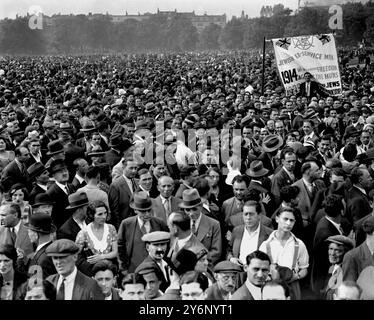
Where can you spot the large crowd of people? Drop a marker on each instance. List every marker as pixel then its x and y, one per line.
pixel 178 176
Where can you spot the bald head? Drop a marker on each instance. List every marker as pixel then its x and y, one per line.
pixel 165 186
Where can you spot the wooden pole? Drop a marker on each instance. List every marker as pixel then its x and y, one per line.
pixel 263 68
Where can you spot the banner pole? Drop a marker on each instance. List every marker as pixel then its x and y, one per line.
pixel 263 68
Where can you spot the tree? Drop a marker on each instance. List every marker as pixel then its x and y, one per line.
pixel 209 37
pixel 232 34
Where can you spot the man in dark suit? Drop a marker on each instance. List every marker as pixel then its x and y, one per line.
pixel 121 191
pixel 69 282
pixel 357 259
pixel 59 192
pixel 207 230
pixel 330 225
pixel 225 273
pixel 40 231
pixel 270 146
pixel 165 203
pixel 131 250
pixel 114 155
pixel 39 176
pixel 72 152
pixel 358 204
pixel 257 266
pixel 285 176
pixel 159 170
pixel 310 88
pixel 16 171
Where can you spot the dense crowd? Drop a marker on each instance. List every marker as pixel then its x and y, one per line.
pixel 168 177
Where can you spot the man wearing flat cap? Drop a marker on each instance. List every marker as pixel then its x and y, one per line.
pixel 338 246
pixel 226 273
pixel 60 191
pixel 156 243
pixel 70 283
pixel 360 257
pixel 152 277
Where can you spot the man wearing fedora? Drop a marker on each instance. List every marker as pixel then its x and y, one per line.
pixel 60 191
pixel 42 204
pixel 85 142
pixel 270 146
pixel 131 250
pixel 39 176
pixel 70 283
pixel 40 230
pixel 16 171
pixel 55 151
pixel 207 230
pixel 78 203
pixel 114 155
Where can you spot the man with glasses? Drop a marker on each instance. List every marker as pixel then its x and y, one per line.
pixel 225 273
pixel 131 249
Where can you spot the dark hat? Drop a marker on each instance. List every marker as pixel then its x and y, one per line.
pixel 185 261
pixel 368 224
pixel 150 107
pixel 351 131
pixel 256 169
pixel 340 239
pixel 141 201
pixel 55 147
pixel 195 108
pixel 56 166
pixel 77 200
pixel 88 127
pixel 156 237
pixel 96 152
pixel 146 267
pixel 62 248
pixel 41 222
pixel 272 143
pixel 353 111
pixel 35 170
pixel 42 199
pixel 191 199
pixel 115 140
pixel 65 126
pixel 246 120
pixel 226 266
pixel 369 154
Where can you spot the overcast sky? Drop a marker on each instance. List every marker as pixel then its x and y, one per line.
pixel 9 8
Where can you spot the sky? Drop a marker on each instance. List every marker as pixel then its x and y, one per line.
pixel 9 8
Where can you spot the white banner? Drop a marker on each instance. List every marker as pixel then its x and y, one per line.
pixel 315 54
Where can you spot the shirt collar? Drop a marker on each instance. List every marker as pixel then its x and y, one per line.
pixel 42 186
pixel 182 242
pixel 163 200
pixel 42 245
pixel 17 226
pixel 71 276
pixel 371 249
pixel 337 225
pixel 256 231
pixel 255 291
pixel 359 188
pixel 80 179
pixel 61 186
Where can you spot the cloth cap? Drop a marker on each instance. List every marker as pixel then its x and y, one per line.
pixel 227 266
pixel 62 248
pixel 156 237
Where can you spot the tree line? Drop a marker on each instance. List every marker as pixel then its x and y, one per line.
pixel 81 34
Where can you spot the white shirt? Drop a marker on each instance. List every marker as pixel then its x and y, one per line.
pixel 283 255
pixel 80 179
pixel 62 186
pixel 336 225
pixel 143 189
pixel 359 188
pixel 16 227
pixel 309 136
pixel 147 225
pixel 308 185
pixel 45 188
pixel 249 243
pixel 41 246
pixel 69 284
pixel 181 243
pixel 36 157
pixel 255 291
pixel 109 297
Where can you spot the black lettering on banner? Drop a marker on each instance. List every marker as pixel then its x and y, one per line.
pixel 289 76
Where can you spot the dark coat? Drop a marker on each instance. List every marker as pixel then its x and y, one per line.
pixel 358 205
pixel 359 231
pixel 77 185
pixel 180 190
pixel 34 192
pixel 119 200
pixel 60 198
pixel 280 180
pixel 242 294
pixel 131 249
pixel 11 175
pixel 165 282
pixel 314 91
pixel 159 209
pixel 112 157
pixel 214 293
pixel 69 230
pixel 85 288
pixel 355 261
pixel 41 259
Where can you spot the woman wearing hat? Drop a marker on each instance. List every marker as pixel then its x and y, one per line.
pixel 12 286
pixel 99 239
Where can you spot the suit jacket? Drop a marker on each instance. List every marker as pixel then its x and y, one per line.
pixel 119 199
pixel 229 208
pixel 180 190
pixel 41 259
pixel 358 205
pixel 355 261
pixel 112 157
pixel 237 237
pixel 22 240
pixel 306 199
pixel 32 160
pixel 77 185
pixel 209 234
pixel 214 293
pixel 69 230
pixel 242 294
pixel 280 180
pixel 11 175
pixel 314 91
pixel 85 288
pixel 34 192
pixel 320 262
pixel 159 209
pixel 131 249
pixel 60 198
pixel 154 193
pixel 360 235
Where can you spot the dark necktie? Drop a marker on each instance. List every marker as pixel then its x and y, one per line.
pixel 61 291
pixel 143 229
pixel 133 185
pixel 193 228
pixel 13 235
